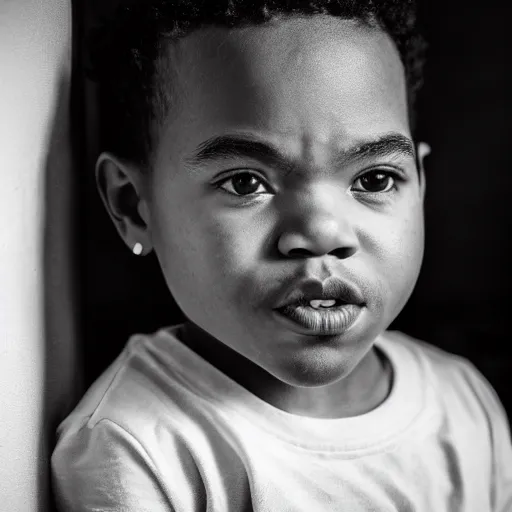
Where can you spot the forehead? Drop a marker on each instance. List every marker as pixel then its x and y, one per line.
pixel 315 80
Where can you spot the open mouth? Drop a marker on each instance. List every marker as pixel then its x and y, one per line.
pixel 315 307
pixel 324 304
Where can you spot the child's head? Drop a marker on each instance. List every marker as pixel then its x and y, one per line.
pixel 264 150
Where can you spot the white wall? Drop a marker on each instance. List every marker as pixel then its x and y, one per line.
pixel 35 59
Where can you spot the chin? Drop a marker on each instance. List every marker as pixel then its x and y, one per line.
pixel 320 367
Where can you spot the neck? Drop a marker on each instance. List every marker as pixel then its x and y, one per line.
pixel 366 387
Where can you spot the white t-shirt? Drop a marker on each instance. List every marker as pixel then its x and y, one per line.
pixel 163 430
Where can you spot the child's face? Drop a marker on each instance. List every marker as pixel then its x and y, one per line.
pixel 233 249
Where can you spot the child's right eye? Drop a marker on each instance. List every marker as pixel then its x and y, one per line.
pixel 244 184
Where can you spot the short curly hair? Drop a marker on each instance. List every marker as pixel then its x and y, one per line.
pixel 125 49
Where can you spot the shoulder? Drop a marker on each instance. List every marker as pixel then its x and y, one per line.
pixel 140 385
pixel 138 403
pixel 104 467
pixel 455 379
pixel 121 444
pixel 470 413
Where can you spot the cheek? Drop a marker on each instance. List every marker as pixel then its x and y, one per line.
pixel 216 250
pixel 400 256
pixel 236 239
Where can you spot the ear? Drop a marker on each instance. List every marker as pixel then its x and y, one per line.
pixel 121 187
pixel 423 151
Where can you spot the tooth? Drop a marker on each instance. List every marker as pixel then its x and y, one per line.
pixel 322 303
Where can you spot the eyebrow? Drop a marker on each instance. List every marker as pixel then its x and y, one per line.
pixel 387 145
pixel 225 147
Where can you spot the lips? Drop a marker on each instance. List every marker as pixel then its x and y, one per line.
pixel 312 289
pixel 300 308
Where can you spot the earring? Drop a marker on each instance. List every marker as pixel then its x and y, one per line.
pixel 137 249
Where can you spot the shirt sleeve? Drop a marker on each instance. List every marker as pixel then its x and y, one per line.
pixel 502 457
pixel 501 490
pixel 104 468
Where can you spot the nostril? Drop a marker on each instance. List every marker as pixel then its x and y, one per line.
pixel 299 253
pixel 343 252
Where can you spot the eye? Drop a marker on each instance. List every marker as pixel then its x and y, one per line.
pixel 377 181
pixel 244 184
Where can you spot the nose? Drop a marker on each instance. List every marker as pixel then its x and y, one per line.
pixel 318 226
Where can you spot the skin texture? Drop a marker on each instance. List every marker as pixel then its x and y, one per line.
pixel 314 88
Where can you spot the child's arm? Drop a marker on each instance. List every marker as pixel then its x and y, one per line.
pixel 105 468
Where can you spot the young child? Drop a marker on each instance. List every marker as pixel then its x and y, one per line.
pixel 265 150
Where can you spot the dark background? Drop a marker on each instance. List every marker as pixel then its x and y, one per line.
pixel 461 300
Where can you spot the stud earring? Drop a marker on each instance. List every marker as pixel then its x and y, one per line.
pixel 137 249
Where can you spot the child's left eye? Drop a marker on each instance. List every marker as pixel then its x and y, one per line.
pixel 244 184
pixel 377 181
